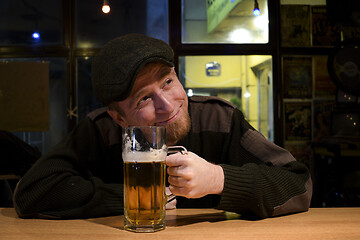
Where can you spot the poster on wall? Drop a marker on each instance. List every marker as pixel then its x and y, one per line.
pixel 350 32
pixel 322 116
pixel 295 25
pixel 297 77
pixel 24 96
pixel 324 87
pixel 324 33
pixel 297 120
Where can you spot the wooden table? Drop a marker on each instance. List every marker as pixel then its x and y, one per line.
pixel 317 223
pixel 9 177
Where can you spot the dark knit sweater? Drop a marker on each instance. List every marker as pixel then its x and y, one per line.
pixel 82 176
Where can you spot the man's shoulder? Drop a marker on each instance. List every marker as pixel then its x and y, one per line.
pixel 210 113
pixel 109 130
pixel 98 113
pixel 211 100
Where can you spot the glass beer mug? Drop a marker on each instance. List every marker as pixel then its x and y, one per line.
pixel 144 154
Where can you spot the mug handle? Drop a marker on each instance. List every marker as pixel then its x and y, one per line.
pixel 173 150
pixel 171 197
pixel 176 149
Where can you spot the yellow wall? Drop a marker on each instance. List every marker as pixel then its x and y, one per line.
pixel 196 72
pixel 235 72
pixel 252 87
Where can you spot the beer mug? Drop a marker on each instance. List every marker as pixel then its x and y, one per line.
pixel 144 154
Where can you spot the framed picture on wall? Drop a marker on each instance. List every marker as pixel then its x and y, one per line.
pixel 295 25
pixel 297 120
pixel 344 65
pixel 322 118
pixel 24 96
pixel 324 32
pixel 297 77
pixel 324 87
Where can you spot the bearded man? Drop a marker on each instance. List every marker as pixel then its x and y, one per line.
pixel 228 166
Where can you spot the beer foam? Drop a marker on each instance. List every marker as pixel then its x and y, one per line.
pixel 154 155
pixel 132 152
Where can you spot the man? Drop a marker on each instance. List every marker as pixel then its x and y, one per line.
pixel 229 166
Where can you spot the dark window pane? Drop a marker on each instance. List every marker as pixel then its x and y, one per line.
pixel 94 28
pixel 20 19
pixel 86 99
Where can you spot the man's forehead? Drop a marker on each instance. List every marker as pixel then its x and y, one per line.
pixel 156 69
pixel 149 74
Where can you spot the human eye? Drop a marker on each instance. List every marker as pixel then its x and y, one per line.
pixel 143 101
pixel 168 82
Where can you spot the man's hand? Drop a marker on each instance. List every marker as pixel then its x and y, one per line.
pixel 192 176
pixel 172 204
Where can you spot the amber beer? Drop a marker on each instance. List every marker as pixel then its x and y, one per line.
pixel 144 180
pixel 144 193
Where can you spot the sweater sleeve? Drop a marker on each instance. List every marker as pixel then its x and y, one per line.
pixel 262 178
pixel 62 183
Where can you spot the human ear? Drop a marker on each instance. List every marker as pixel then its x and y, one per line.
pixel 120 120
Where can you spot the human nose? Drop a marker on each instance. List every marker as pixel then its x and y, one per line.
pixel 163 103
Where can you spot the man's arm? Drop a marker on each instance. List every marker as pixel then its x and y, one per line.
pixel 262 178
pixel 259 177
pixel 266 191
pixel 61 184
pixel 260 189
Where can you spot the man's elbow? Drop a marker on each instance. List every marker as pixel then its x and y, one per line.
pixel 299 203
pixel 22 204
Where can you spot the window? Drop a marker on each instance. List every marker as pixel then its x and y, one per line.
pixel 31 22
pixel 224 50
pixel 70 89
pixel 95 28
pixel 224 21
pixel 245 81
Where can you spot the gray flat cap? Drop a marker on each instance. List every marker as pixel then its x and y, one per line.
pixel 115 67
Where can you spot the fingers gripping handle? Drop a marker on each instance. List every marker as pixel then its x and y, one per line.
pixel 173 150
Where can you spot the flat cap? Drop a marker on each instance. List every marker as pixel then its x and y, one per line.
pixel 115 67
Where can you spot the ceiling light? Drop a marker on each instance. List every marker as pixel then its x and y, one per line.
pixel 36 35
pixel 106 7
pixel 256 10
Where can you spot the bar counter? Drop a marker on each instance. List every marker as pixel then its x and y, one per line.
pixel 182 224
